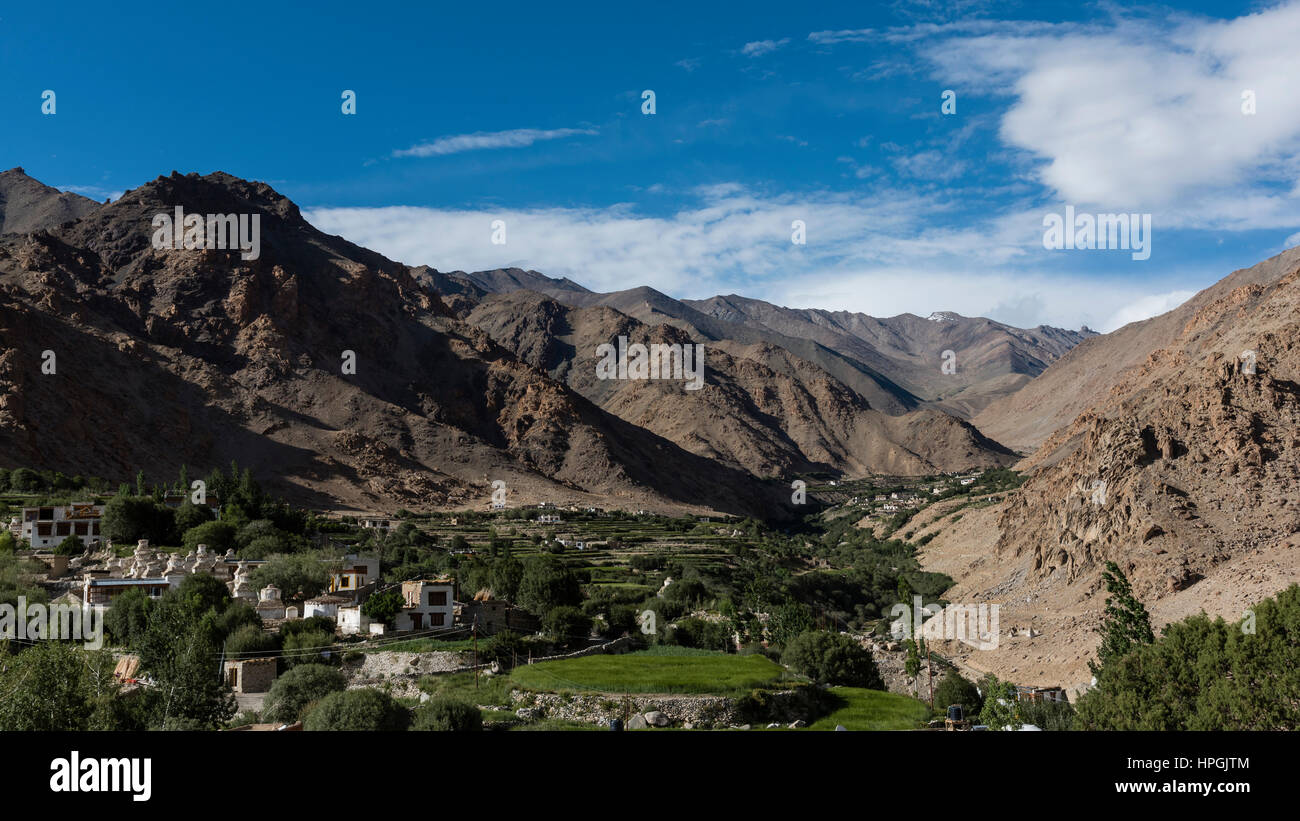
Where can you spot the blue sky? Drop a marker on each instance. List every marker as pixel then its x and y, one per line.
pixel 828 114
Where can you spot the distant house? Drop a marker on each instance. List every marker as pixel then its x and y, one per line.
pixel 549 519
pixel 428 603
pixel 251 675
pixel 45 527
pixel 382 525
pixel 327 606
pixel 355 572
pixel 352 621
pixel 100 592
pixel 968 481
pixel 490 616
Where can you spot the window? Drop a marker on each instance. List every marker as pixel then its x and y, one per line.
pixel 437 619
pixel 43 528
pixel 63 528
pixel 94 528
pixel 438 599
pixel 83 529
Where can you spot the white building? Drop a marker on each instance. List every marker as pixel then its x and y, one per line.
pixel 45 527
pixel 352 621
pixel 354 573
pixel 549 519
pixel 429 604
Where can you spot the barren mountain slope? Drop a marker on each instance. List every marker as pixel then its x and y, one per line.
pixel 1187 474
pixel 1085 375
pixel 171 356
pixel 763 408
pixel 991 359
pixel 28 205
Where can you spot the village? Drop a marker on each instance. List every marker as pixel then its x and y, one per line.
pixel 420 606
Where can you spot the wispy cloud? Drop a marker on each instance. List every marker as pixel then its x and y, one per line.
pixel 760 47
pixel 879 252
pixel 482 140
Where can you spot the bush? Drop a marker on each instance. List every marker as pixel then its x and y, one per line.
pixel 567 626
pixel 218 536
pixel 306 647
pixel 357 710
pixel 250 641
pixel 70 546
pixel 448 715
pixel 299 687
pixel 503 648
pixel 384 607
pixel 832 658
pixel 956 689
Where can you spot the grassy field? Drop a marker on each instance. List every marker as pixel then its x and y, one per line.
pixel 874 710
pixel 694 672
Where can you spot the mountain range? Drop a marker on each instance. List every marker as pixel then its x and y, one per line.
pixel 165 356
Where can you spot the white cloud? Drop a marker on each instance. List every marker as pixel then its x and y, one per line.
pixel 761 47
pixel 1146 307
pixel 94 192
pixel 515 138
pixel 1141 115
pixel 880 253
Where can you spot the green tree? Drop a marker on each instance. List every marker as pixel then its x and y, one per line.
pixel 218 536
pixel 70 546
pixel 547 584
pixel 1000 704
pixel 1125 623
pixel 384 607
pixel 250 641
pixel 128 618
pixel 57 686
pixel 357 710
pixel 832 658
pixel 957 689
pixel 789 620
pixel 299 687
pixel 190 515
pixel 127 519
pixel 507 575
pixel 567 625
pixel 295 574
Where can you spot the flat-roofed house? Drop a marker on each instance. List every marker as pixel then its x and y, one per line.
pixel 45 527
pixel 100 592
pixel 429 604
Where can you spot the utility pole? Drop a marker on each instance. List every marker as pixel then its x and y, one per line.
pixel 929 668
pixel 475 633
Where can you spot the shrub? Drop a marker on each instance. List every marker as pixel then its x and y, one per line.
pixel 299 687
pixel 357 710
pixel 832 658
pixel 956 689
pixel 448 715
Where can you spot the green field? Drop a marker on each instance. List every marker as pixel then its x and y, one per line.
pixel 874 710
pixel 698 672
